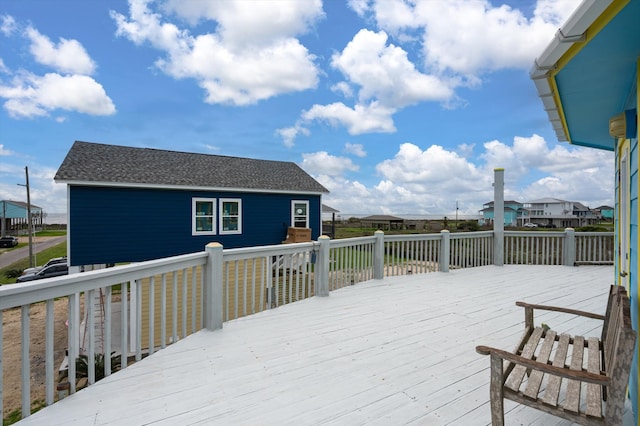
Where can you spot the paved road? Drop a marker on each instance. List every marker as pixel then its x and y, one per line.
pixel 39 244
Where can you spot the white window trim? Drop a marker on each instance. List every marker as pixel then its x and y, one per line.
pixel 221 217
pixel 293 213
pixel 193 216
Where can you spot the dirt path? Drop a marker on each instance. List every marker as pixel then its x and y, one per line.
pixel 11 352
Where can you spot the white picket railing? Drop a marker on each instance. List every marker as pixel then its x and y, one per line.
pixel 145 306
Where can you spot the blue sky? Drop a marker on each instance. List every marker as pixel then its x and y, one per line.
pixel 397 106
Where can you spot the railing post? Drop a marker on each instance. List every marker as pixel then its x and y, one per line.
pixel 569 247
pixel 445 250
pixel 378 256
pixel 212 291
pixel 322 267
pixel 498 217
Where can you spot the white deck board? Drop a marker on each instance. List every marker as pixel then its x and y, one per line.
pixel 391 352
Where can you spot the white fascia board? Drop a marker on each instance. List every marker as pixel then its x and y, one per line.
pixel 182 187
pixel 571 32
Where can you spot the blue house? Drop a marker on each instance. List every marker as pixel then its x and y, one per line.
pixel 512 212
pixel 132 204
pixel 589 82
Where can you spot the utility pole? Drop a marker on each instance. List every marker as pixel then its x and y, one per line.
pixel 26 172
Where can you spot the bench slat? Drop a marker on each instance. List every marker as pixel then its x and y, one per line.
pixel 594 392
pixel 552 391
pixel 515 378
pixel 535 378
pixel 573 386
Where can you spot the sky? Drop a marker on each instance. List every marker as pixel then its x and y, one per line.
pixel 397 106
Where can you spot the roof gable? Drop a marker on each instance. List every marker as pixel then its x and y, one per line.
pixel 101 164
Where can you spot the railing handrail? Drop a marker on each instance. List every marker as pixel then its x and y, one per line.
pixel 12 296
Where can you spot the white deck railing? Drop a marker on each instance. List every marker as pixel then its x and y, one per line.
pixel 139 308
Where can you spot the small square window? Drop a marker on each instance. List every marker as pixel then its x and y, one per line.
pixel 230 216
pixel 203 216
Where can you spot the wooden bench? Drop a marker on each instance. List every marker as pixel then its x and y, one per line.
pixel 567 376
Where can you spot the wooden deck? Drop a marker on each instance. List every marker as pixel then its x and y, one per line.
pixel 391 352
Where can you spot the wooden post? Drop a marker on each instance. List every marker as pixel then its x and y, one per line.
pixel 212 282
pixel 322 267
pixel 445 250
pixel 569 247
pixel 498 217
pixel 378 256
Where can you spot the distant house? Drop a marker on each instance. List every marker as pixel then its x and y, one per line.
pixel 605 212
pixel 512 212
pixel 560 213
pixel 132 204
pixel 14 217
pixel 382 222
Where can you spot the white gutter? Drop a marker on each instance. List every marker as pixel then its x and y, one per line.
pixel 573 31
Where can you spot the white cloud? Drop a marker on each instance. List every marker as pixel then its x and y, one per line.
pixel 461 42
pixel 235 65
pixel 468 38
pixel 68 56
pixel 7 25
pixel 289 134
pixel 356 149
pixel 251 22
pixel 30 95
pixel 431 180
pixel 4 152
pixel 358 120
pixel 322 163
pixel 70 88
pixel 384 72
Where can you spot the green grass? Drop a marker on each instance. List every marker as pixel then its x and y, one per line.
pixel 42 257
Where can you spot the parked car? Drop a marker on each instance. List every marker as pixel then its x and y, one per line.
pixel 8 242
pixel 48 272
pixel 53 261
pixel 530 225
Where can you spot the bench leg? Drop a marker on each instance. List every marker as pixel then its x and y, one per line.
pixel 495 392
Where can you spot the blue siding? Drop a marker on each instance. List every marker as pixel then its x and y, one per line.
pixel 112 225
pixel 633 267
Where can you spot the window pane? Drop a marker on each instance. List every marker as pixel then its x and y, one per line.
pixel 229 208
pixel 204 223
pixel 204 208
pixel 230 224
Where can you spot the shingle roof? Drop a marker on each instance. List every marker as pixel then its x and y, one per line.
pixel 88 162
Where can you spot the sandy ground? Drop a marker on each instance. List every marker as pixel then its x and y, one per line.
pixel 11 352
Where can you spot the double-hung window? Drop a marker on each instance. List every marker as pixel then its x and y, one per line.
pixel 300 214
pixel 204 216
pixel 230 216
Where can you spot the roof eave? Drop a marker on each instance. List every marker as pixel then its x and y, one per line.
pixel 184 187
pixel 546 65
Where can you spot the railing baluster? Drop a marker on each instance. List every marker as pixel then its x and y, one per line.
pixel 138 296
pixel 151 314
pixel 106 327
pixel 174 313
pixel 185 305
pixel 26 361
pixel 124 307
pixel 163 312
pixel 49 377
pixel 91 328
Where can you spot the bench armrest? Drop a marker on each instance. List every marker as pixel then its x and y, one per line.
pixel 581 375
pixel 529 308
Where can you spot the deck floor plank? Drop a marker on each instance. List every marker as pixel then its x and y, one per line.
pixel 396 351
